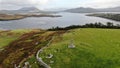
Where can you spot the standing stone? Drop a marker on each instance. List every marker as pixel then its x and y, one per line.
pixel 71 45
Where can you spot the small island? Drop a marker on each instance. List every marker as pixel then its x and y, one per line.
pixel 8 17
pixel 111 16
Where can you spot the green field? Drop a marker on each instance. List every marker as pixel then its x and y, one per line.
pixel 95 48
pixel 18 46
pixel 8 36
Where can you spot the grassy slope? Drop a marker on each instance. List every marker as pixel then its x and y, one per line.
pixel 15 53
pixel 24 47
pixel 8 36
pixel 95 48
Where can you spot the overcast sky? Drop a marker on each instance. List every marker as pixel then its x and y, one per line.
pixel 46 4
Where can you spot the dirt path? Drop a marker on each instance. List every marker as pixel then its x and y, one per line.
pixel 39 59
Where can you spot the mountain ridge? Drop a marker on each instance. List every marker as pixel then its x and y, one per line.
pixel 22 10
pixel 90 10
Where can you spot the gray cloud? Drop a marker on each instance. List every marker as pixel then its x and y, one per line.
pixel 101 3
pixel 16 4
pixel 13 4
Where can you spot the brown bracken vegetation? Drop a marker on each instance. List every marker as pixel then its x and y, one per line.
pixel 26 45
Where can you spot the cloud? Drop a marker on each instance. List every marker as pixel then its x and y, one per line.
pixel 16 4
pixel 25 2
pixel 101 3
pixel 39 2
pixel 21 3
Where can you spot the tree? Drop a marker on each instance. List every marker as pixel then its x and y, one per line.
pixel 109 24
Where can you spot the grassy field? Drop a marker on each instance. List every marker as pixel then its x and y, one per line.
pixel 8 36
pixel 17 44
pixel 95 48
pixel 20 46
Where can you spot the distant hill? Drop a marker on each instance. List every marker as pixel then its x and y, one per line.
pixel 74 10
pixel 81 10
pixel 115 9
pixel 29 9
pixel 22 10
pixel 90 10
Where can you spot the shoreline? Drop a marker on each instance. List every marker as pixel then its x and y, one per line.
pixel 110 16
pixel 5 17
